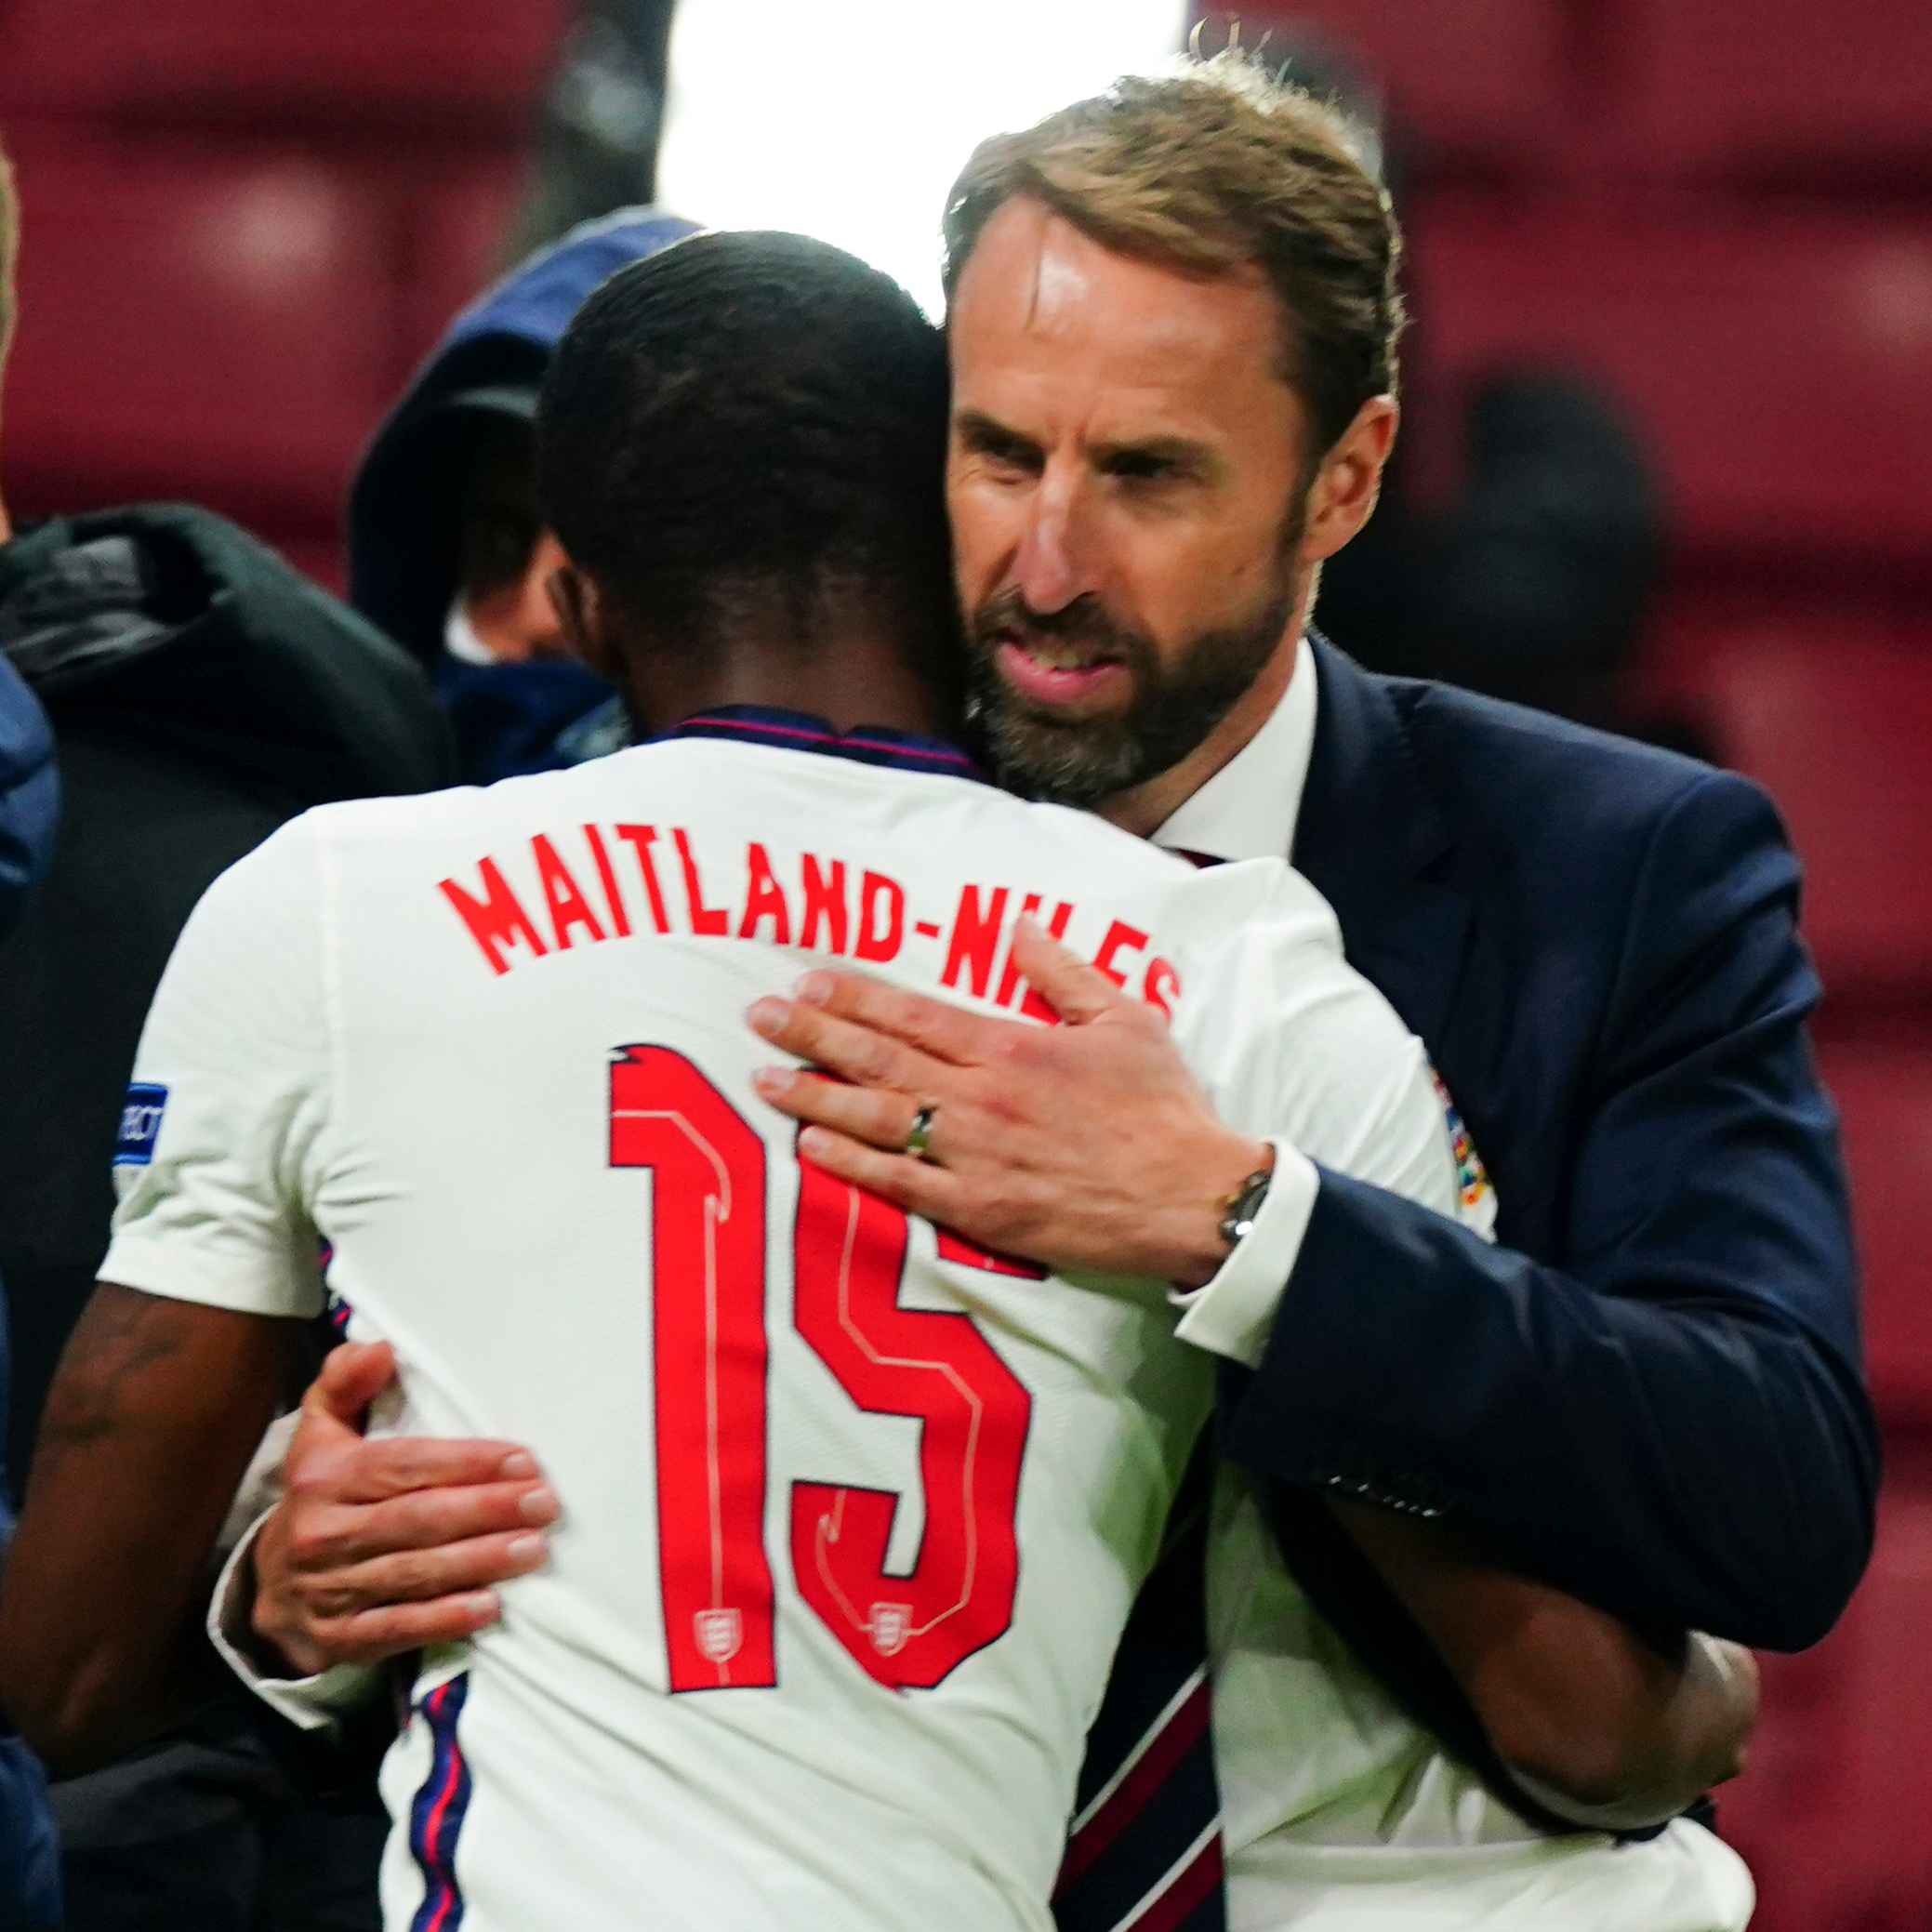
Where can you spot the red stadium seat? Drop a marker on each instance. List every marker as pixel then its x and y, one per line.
pixel 1830 1814
pixel 192 324
pixel 1884 1093
pixel 481 63
pixel 321 563
pixel 1777 362
pixel 458 224
pixel 1482 79
pixel 1778 88
pixel 1833 714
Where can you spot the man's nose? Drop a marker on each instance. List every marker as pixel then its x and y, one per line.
pixel 1053 565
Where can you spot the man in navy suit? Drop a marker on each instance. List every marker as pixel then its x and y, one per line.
pixel 1648 1391
pixel 1173 398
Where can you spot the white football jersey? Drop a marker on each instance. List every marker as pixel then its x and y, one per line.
pixel 853 1513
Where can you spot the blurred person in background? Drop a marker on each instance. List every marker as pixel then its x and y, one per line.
pixel 603 116
pixel 1530 580
pixel 201 694
pixel 448 552
pixel 29 805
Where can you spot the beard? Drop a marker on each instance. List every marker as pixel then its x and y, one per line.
pixel 1052 754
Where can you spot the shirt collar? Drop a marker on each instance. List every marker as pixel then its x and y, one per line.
pixel 1249 808
pixel 804 731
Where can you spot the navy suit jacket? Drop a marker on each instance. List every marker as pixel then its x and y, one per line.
pixel 1649 1391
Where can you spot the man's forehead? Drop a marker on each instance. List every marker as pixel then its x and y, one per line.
pixel 1039 298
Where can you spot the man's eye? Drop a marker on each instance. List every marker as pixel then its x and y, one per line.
pixel 1131 468
pixel 1010 456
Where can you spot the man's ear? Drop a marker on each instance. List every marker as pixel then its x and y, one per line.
pixel 1347 485
pixel 573 598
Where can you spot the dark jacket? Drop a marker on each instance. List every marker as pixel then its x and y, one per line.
pixel 200 693
pixel 29 794
pixel 404 507
pixel 1649 1391
pixel 28 800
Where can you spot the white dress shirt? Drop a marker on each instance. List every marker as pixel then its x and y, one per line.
pixel 1250 808
pixel 1248 811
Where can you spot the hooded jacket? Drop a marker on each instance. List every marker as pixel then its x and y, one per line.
pixel 200 692
pixel 404 507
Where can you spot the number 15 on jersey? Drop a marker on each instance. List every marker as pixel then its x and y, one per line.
pixel 708 1235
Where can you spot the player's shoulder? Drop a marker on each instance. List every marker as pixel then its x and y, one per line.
pixel 1260 902
pixel 463 811
pixel 950 810
pixel 1091 840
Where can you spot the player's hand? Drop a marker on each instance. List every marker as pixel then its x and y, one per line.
pixel 380 1547
pixel 1087 1145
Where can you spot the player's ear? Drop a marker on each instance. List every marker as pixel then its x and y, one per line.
pixel 573 598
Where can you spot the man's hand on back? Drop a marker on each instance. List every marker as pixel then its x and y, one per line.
pixel 1086 1146
pixel 380 1547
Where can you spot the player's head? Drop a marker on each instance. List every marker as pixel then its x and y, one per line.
pixel 740 444
pixel 1173 320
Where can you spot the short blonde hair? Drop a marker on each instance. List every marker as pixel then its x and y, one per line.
pixel 1209 169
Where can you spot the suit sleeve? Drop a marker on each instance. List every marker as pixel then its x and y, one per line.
pixel 1673 1424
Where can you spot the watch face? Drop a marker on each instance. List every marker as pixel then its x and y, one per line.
pixel 1238 1222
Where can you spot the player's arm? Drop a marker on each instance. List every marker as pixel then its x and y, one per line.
pixel 1599 1725
pixel 374 1548
pixel 183 1353
pixel 156 1408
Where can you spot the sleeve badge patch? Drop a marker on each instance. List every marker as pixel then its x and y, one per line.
pixel 1472 1176
pixel 140 1124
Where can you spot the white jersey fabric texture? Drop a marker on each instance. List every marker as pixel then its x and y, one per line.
pixel 853 1515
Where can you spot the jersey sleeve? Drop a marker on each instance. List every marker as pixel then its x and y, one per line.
pixel 216 1165
pixel 1296 1048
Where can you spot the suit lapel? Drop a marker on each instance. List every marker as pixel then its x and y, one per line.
pixel 1373 841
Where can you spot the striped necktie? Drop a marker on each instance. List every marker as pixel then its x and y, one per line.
pixel 1144 1854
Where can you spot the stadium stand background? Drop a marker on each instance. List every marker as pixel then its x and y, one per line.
pixel 244 223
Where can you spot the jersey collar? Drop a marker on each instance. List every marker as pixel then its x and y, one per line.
pixel 801 730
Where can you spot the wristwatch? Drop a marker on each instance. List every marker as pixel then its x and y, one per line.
pixel 1241 1206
